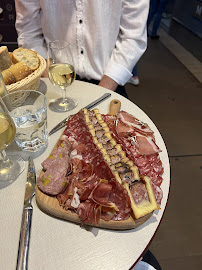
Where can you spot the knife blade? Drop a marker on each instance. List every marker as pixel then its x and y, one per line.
pixel 89 106
pixel 25 231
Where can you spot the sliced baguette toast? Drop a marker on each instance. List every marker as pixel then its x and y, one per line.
pixel 26 56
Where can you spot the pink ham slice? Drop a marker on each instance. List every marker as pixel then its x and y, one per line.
pixel 134 122
pixel 129 127
pixel 145 145
pixel 122 127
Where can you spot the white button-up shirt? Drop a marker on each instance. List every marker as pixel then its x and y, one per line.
pixel 108 36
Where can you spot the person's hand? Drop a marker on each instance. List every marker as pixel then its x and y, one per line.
pixel 108 83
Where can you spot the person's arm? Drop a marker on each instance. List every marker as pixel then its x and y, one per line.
pixel 108 83
pixel 28 25
pixel 131 42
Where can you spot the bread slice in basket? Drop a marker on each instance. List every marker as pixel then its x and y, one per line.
pixel 5 61
pixel 8 77
pixel 26 56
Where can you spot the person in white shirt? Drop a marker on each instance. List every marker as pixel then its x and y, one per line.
pixel 108 36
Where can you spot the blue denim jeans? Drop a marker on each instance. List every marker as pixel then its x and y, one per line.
pixel 134 71
pixel 156 9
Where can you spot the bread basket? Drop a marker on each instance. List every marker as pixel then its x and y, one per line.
pixel 31 82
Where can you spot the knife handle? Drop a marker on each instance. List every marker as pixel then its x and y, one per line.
pixel 25 231
pixel 114 107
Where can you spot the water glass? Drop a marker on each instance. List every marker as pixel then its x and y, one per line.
pixel 30 118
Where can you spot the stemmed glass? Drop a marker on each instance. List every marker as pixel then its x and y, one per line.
pixel 61 72
pixel 10 165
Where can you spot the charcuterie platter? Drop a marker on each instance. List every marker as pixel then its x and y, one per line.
pixel 104 171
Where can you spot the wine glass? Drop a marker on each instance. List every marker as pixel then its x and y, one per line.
pixel 61 72
pixel 11 166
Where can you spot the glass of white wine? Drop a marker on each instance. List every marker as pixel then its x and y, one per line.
pixel 61 72
pixel 11 166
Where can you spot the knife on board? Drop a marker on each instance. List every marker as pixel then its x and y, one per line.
pixel 25 231
pixel 89 106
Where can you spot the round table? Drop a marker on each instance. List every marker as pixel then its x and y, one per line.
pixel 59 244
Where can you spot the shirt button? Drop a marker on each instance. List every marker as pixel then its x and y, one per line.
pixel 80 21
pixel 81 51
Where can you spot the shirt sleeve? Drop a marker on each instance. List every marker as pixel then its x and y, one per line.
pixel 131 42
pixel 28 26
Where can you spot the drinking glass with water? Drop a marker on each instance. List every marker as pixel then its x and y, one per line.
pixel 30 118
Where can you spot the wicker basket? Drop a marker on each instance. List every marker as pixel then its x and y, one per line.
pixel 31 82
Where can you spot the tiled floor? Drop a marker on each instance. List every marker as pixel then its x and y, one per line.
pixel 172 97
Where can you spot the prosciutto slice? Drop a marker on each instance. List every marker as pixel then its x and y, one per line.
pixel 145 145
pixel 122 127
pixel 131 121
pixel 89 212
pixel 100 194
pixel 112 201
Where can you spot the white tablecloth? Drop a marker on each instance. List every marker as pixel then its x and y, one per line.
pixel 59 244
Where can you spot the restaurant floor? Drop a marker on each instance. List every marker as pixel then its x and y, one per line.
pixel 171 96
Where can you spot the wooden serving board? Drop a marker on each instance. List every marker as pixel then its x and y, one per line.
pixel 50 204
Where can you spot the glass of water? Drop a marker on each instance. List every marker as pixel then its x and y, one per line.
pixel 28 109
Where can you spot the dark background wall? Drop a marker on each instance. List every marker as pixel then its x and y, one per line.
pixel 186 25
pixel 7 24
pixel 187 13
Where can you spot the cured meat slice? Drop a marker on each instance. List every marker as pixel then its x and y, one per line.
pixel 68 192
pixel 158 193
pixel 139 192
pixel 120 197
pixel 100 194
pixel 56 167
pixel 123 128
pixel 145 145
pixel 61 152
pixel 89 212
pixel 111 198
pixel 134 122
pixel 53 181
